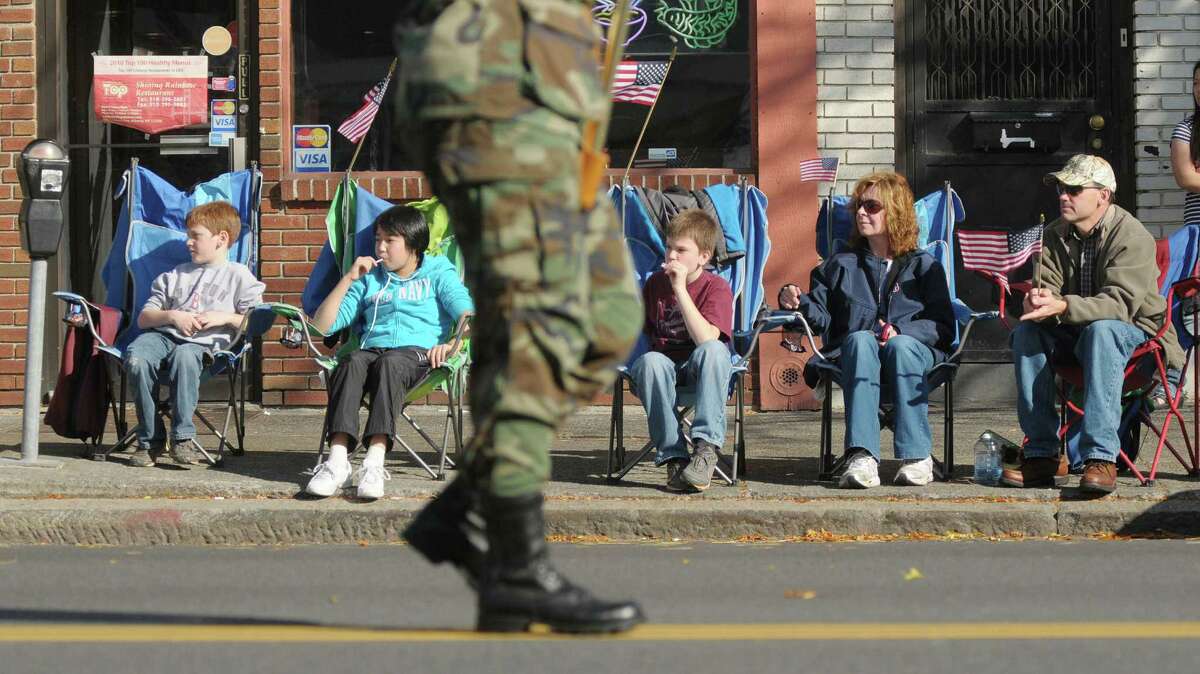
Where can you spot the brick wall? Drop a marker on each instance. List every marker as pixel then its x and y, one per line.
pixel 1167 45
pixel 856 95
pixel 18 126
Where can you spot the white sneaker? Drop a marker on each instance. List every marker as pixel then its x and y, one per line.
pixel 916 472
pixel 328 477
pixel 861 473
pixel 370 481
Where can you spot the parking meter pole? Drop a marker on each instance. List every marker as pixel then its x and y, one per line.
pixel 33 361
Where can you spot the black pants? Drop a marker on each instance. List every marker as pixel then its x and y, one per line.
pixel 385 375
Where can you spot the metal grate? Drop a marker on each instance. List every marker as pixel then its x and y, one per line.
pixel 1011 49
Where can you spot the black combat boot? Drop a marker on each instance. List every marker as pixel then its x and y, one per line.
pixel 449 529
pixel 520 587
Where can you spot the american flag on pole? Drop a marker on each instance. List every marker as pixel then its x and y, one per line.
pixel 996 252
pixel 821 169
pixel 639 81
pixel 357 125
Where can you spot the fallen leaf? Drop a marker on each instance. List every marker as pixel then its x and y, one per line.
pixel 799 594
pixel 913 574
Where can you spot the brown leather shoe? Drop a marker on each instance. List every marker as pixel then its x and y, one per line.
pixel 1099 477
pixel 1011 475
pixel 1038 472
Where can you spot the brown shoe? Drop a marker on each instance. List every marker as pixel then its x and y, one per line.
pixel 1038 472
pixel 1011 475
pixel 1099 477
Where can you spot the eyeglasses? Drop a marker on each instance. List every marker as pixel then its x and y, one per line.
pixel 1073 190
pixel 869 205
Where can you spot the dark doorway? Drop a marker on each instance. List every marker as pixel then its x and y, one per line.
pixel 993 95
pixel 101 152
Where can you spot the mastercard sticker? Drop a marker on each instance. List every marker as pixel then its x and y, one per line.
pixel 223 107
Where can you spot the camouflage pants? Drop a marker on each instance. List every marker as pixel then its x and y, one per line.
pixel 556 303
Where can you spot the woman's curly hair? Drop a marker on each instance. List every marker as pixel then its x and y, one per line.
pixel 901 216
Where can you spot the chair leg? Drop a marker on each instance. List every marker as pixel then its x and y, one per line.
pixel 739 458
pixel 825 460
pixel 948 429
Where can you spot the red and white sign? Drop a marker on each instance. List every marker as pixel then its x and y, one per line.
pixel 151 93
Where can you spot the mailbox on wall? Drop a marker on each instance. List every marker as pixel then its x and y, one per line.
pixel 1003 132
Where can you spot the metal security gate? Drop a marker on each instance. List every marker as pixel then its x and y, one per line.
pixel 992 94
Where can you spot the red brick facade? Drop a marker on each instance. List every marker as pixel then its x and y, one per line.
pixel 18 126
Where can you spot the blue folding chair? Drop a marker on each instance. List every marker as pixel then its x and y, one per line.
pixel 151 239
pixel 742 211
pixel 937 214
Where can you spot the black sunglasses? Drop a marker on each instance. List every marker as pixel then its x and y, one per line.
pixel 869 205
pixel 1073 190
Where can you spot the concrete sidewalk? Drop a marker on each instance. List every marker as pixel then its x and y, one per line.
pixel 256 498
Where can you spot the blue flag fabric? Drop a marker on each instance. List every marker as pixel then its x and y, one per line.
pixel 365 207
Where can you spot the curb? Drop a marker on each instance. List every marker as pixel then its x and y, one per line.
pixel 291 522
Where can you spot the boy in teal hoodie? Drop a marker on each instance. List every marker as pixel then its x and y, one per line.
pixel 401 305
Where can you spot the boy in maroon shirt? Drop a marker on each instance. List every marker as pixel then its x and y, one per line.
pixel 689 320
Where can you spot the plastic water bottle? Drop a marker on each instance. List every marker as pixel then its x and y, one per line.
pixel 987 458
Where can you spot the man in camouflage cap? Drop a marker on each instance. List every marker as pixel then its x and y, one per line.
pixel 493 97
pixel 1098 301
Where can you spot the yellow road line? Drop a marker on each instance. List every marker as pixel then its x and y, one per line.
pixel 985 631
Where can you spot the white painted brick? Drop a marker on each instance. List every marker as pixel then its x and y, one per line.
pixel 831 93
pixel 1139 39
pixel 1175 70
pixel 858 13
pixel 1148 102
pixel 831 125
pixel 830 61
pixel 1178 102
pixel 848 109
pixel 1191 22
pixel 1158 54
pixel 1146 70
pixel 883 140
pixel 868 2
pixel 831 14
pixel 1173 198
pixel 871 156
pixel 870 61
pixel 1191 54
pixel 864 45
pixel 1159 214
pixel 870 29
pixel 1166 7
pixel 882 13
pixel 1146 22
pixel 1158 86
pixel 884 46
pixel 1156 183
pixel 833 29
pixel 881 92
pixel 847 76
pixel 1175 39
pixel 884 76
pixel 1158 117
pixel 884 109
pixel 1146 199
pixel 872 125
pixel 1140 134
pixel 1145 7
pixel 847 140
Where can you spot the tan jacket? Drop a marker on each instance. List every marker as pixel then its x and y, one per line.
pixel 1126 277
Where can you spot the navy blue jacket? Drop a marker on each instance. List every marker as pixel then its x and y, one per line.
pixel 844 298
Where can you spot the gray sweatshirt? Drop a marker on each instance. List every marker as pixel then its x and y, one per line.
pixel 194 288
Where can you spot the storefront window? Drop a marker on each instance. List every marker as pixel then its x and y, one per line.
pixel 702 118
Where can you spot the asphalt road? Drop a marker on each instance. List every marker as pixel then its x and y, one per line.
pixel 963 606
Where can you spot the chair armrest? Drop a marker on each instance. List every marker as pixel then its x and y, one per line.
pixel 79 312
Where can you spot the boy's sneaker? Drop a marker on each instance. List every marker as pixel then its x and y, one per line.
pixel 674 474
pixel 862 471
pixel 183 454
pixel 699 471
pixel 141 458
pixel 370 481
pixel 915 472
pixel 328 477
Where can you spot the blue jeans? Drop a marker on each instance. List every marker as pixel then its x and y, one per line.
pixel 901 365
pixel 1102 349
pixel 705 374
pixel 150 356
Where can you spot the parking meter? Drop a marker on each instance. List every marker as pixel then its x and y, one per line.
pixel 43 173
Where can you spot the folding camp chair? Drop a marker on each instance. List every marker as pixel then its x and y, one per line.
pixel 937 214
pixel 742 211
pixel 151 239
pixel 350 222
pixel 1145 372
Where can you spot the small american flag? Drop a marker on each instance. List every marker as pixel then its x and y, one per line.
pixel 357 125
pixel 822 169
pixel 639 81
pixel 996 252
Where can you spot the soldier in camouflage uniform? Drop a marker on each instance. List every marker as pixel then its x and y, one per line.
pixel 493 96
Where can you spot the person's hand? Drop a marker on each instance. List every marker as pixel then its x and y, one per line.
pixel 214 319
pixel 789 297
pixel 439 354
pixel 1040 304
pixel 185 322
pixel 361 267
pixel 677 273
pixel 885 331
